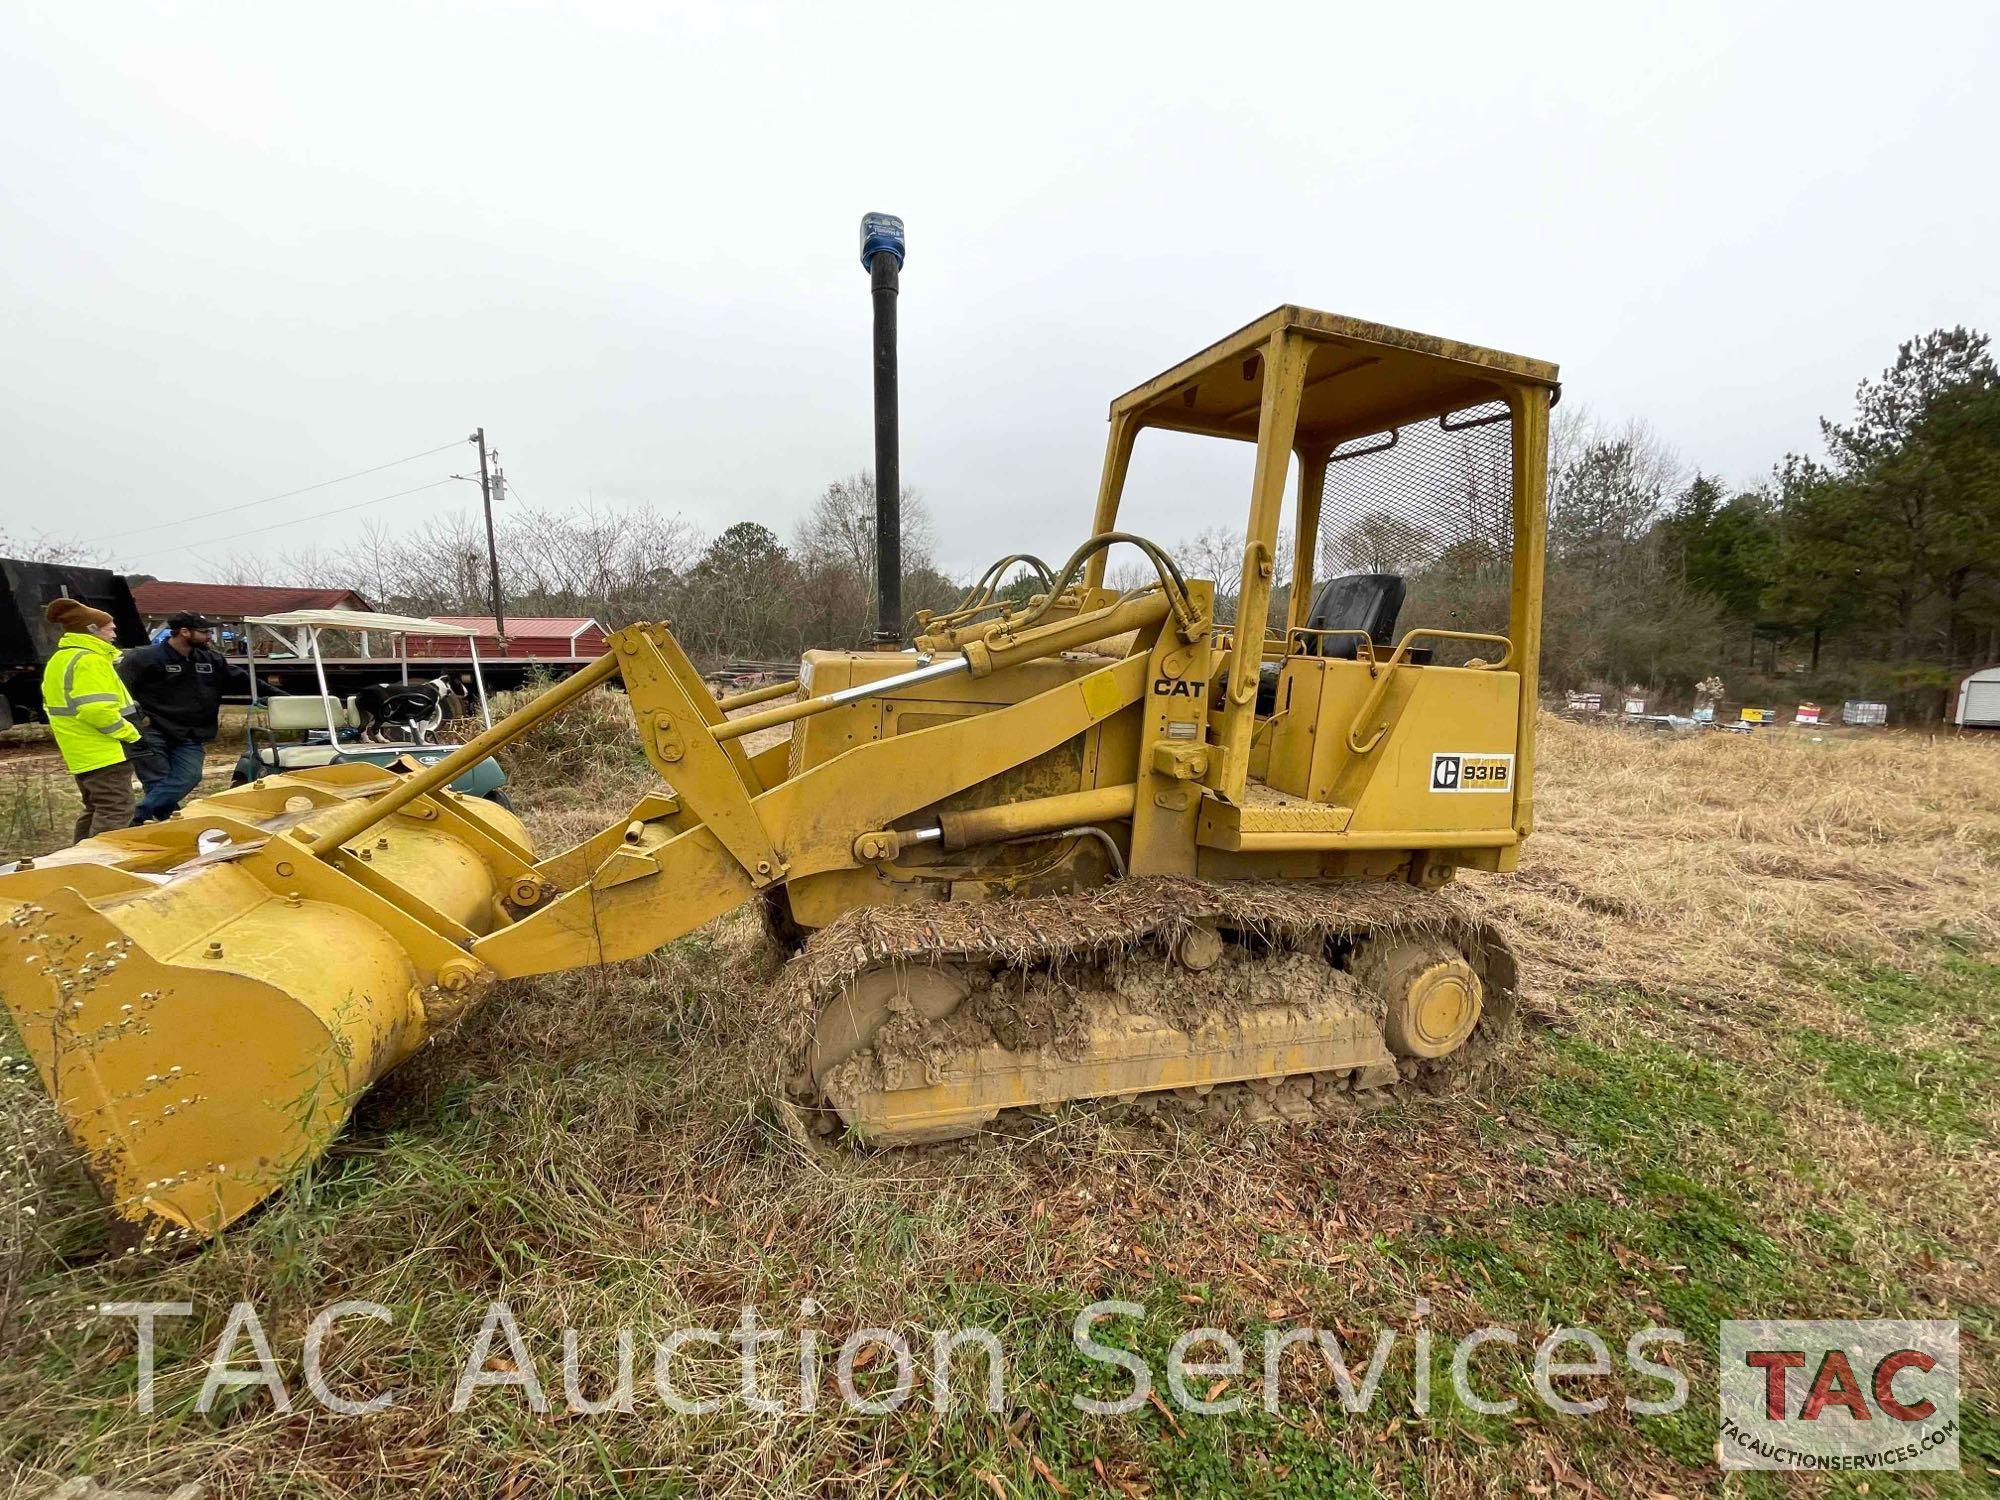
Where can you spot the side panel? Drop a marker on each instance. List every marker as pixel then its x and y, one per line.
pixel 1432 712
pixel 1448 761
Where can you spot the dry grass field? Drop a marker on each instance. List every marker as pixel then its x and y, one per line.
pixel 1762 976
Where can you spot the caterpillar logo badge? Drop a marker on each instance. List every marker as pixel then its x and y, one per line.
pixel 1461 772
pixel 1177 687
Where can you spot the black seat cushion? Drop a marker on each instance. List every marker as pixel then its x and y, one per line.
pixel 1355 601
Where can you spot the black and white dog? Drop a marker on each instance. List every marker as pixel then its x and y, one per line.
pixel 408 713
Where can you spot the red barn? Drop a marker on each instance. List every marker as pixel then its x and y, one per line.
pixel 159 598
pixel 529 638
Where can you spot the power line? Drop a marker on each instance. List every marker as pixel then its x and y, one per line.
pixel 296 520
pixel 288 494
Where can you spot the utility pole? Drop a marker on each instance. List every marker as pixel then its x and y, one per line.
pixel 486 487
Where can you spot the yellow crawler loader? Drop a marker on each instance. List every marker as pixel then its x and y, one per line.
pixel 1167 836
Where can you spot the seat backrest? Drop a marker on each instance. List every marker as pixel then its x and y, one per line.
pixel 1355 601
pixel 296 715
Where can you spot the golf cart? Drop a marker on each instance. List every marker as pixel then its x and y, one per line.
pixel 323 728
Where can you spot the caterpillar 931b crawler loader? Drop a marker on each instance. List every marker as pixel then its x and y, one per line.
pixel 1115 841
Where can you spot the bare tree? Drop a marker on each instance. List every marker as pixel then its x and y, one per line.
pixel 46 547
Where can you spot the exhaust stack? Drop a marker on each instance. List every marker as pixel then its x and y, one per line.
pixel 882 254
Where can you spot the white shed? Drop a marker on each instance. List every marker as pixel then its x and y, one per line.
pixel 1979 700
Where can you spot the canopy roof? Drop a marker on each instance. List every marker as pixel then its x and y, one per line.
pixel 359 619
pixel 1362 378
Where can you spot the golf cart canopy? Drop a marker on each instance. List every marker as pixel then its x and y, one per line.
pixel 310 622
pixel 357 619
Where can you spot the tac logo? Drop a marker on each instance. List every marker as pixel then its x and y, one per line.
pixel 1840 1395
pixel 1465 771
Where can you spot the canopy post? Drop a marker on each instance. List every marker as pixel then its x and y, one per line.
pixel 479 681
pixel 250 713
pixel 325 697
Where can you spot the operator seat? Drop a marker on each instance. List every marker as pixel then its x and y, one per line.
pixel 1353 601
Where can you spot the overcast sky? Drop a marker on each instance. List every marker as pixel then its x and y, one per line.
pixel 252 247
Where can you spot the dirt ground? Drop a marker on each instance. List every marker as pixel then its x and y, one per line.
pixel 1761 977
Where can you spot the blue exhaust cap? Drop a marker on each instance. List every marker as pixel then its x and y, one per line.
pixel 881 232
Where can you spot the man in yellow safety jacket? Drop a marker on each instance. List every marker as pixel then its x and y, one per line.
pixel 91 714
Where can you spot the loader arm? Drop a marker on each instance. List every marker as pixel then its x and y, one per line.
pixel 661 883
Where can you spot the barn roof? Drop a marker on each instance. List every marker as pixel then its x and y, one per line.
pixel 231 601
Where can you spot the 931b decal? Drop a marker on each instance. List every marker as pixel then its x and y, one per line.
pixel 1464 771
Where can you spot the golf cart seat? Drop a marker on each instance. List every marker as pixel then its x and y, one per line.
pixel 297 757
pixel 300 714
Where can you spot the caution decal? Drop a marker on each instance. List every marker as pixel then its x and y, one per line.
pixel 1467 771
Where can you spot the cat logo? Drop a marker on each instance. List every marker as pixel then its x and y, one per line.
pixel 1175 687
pixel 1464 772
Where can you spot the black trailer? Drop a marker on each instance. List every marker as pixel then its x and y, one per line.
pixel 26 636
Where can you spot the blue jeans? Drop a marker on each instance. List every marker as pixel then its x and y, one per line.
pixel 169 768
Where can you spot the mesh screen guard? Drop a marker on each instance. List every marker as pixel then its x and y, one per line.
pixel 1433 501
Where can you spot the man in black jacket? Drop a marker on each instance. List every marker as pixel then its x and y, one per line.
pixel 179 684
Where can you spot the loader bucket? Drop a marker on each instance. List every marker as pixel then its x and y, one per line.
pixel 205 999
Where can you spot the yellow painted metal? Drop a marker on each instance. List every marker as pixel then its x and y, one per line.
pixel 1278 414
pixel 1365 733
pixel 685 746
pixel 812 819
pixel 1429 710
pixel 906 1100
pixel 1524 618
pixel 1305 540
pixel 348 912
pixel 1175 759
pixel 1360 379
pixel 731 703
pixel 1008 820
pixel 204 1023
pixel 1002 648
pixel 1431 996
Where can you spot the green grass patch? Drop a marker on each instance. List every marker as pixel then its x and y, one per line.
pixel 1935 1090
pixel 1958 986
pixel 1643 1102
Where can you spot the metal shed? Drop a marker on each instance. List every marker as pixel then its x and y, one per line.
pixel 1979 700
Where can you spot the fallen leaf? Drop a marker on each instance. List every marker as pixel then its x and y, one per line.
pixel 1161 1406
